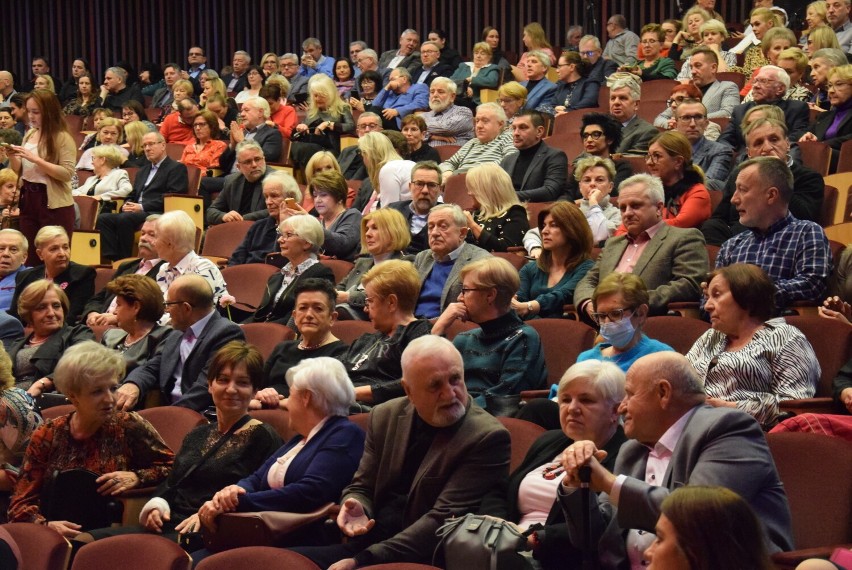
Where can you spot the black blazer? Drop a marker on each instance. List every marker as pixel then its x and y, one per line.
pixel 79 286
pixel 269 139
pixel 101 300
pixel 231 197
pixel 545 178
pixel 171 178
pixel 280 312
pixel 241 82
pixel 440 70
pixel 49 353
pixel 420 240
pixel 796 115
pixel 844 133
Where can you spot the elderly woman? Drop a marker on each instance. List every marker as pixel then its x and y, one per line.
pixel 369 83
pixel 499 220
pixel 822 62
pixel 300 238
pixel 651 65
pixel 775 41
pixel 109 181
pixel 748 359
pixel 321 162
pixel 373 360
pixel 573 90
pixel 339 224
pixel 42 306
pixel 122 447
pixel 204 465
pixel 255 79
pixel 474 76
pixel 18 419
pixel 311 469
pixel 389 173
pixel 208 149
pixel 86 99
pixel 713 35
pixel 384 236
pixel 548 283
pixel 834 127
pixel 279 189
pixel 328 118
pixel 53 248
pixel 589 395
pixel 816 15
pixel 110 132
pixel 512 97
pixel 682 541
pixel 138 307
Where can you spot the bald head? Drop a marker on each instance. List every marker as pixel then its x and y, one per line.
pixel 6 82
pixel 193 289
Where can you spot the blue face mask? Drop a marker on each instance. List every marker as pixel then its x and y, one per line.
pixel 618 334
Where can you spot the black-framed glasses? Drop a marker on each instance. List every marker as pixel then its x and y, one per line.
pixel 613 316
pixel 469 289
pixel 654 158
pixel 689 118
pixel 677 100
pixel 422 183
pixel 170 303
pixel 594 135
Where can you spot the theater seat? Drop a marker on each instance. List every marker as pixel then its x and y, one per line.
pixel 132 552
pixel 523 434
pixel 42 548
pixel 255 557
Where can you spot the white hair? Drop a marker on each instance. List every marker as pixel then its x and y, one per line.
pixel 327 380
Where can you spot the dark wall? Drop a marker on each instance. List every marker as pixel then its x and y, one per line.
pixel 106 31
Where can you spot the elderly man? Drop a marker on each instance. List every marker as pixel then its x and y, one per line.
pixel 677 439
pixel 767 137
pixel 288 65
pixel 672 261
pixel 623 44
pixel 350 161
pixel 768 88
pixel 539 88
pixel 425 188
pixel 573 35
pixel 179 371
pixel 590 48
pixel 446 122
pixel 719 97
pixel 399 98
pixel 492 143
pixel 368 60
pixel 7 88
pixel 115 92
pixel 431 65
pixel 313 60
pixel 236 81
pixel 162 175
pixel 428 456
pixel 177 127
pixel 100 309
pixel 837 13
pixel 539 172
pixel 13 252
pixel 714 158
pixel 625 92
pixel 406 56
pixel 440 266
pixel 794 253
pixel 242 197
pixel 196 60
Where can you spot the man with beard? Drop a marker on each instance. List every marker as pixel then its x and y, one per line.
pixel 446 122
pixel 538 171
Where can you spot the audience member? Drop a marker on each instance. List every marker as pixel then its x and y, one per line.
pixel 538 171
pixel 512 97
pixel 313 61
pixel 449 55
pixel 406 56
pixel 236 80
pixel 206 150
pixel 601 67
pixel 713 34
pixel 115 91
pixel 534 39
pixel 446 122
pixel 493 142
pixel 625 92
pixel 651 64
pixel 498 220
pixel 109 181
pixel 837 14
pixel 539 88
pixel 340 225
pixel 242 196
pixel 834 127
pixel 430 66
pixel 574 90
pixel 400 97
pixel 177 128
pixel 713 158
pixel 426 188
pixel 13 252
pixel 415 133
pixel 600 134
pixel 289 67
pixel 478 74
pixel 623 44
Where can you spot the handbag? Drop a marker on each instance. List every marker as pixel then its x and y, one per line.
pixel 481 541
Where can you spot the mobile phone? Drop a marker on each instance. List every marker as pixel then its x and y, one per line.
pixel 291 203
pixel 5 145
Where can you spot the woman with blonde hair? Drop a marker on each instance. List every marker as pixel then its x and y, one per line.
pixel 269 64
pixel 834 127
pixel 713 34
pixel 794 61
pixel 499 220
pixel 44 82
pixel 110 133
pixel 388 172
pixel 109 181
pixel 534 40
pixel 775 41
pixel 212 87
pixel 762 20
pixel 327 119
pixel 135 131
pixel 816 15
pixel 512 97
pixel 690 34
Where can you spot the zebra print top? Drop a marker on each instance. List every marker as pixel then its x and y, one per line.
pixel 777 364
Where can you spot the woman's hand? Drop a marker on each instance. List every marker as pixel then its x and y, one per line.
pixel 322 127
pixel 268 398
pixel 155 519
pixel 453 312
pixel 301 128
pixel 343 296
pixel 23 153
pixel 356 104
pixel 595 197
pixel 65 528
pixel 475 228
pixel 191 524
pixel 522 308
pixel 207 515
pixel 117 482
pixel 40 386
pixel 101 319
pixel 224 501
pixel 832 314
pixel 808 137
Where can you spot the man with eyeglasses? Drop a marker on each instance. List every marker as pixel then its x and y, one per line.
pixel 197 62
pixel 236 81
pixel 623 45
pixel 13 253
pixel 430 64
pixel 671 261
pixel 242 196
pixel 714 158
pixel 538 171
pixel 350 161
pixel 600 134
pixel 426 190
pixel 288 65
pixel 162 175
pixel 179 371
pixel 590 48
pixel 768 88
pixel 446 122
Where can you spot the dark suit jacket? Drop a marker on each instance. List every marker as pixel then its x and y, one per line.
pixel 463 462
pixel 241 82
pixel 351 164
pixel 584 95
pixel 10 329
pixel 158 373
pixel 48 354
pixel 115 101
pixel 425 261
pixel 844 132
pixel 673 266
pixel 101 301
pixel 796 115
pixel 280 312
pixel 439 70
pixel 170 178
pixel 636 136
pixel 231 197
pixel 269 139
pixel 718 447
pixel 79 286
pixel 410 62
pixel 420 240
pixel 601 70
pixel 715 160
pixel 544 180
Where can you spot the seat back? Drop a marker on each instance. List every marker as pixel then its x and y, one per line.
pixel 810 466
pixel 459 327
pixel 455 192
pixel 562 340
pixel 349 331
pixel 832 343
pixel 89 207
pixel 734 76
pixel 447 150
pixel 175 150
pixel 816 155
pixel 221 240
pixel 339 267
pixel 523 434
pixel 279 420
pixel 247 283
pixel 103 275
pixel 254 557
pixel 516 260
pixel 829 205
pixel 42 548
pixel 680 333
pixel 173 423
pixel 56 411
pixel 568 142
pixel 266 336
pixel 132 552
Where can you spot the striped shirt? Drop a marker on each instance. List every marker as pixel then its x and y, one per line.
pixel 474 152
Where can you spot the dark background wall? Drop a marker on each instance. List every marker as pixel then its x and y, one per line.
pixel 106 31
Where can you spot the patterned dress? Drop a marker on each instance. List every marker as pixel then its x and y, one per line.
pixel 18 419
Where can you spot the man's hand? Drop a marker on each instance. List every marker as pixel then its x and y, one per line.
pixel 345 564
pixel 232 216
pixel 581 454
pixel 131 207
pixel 846 399
pixel 390 114
pixel 268 397
pixel 126 396
pixel 353 520
pixel 101 319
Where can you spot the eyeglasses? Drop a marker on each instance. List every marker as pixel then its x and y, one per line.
pixel 422 183
pixel 612 316
pixel 839 84
pixel 198 125
pixel 677 100
pixel 649 42
pixel 170 303
pixel 367 127
pixel 469 289
pixel 689 118
pixel 654 158
pixel 594 135
pixel 589 53
pixel 196 54
pixel 285 235
pixel 764 81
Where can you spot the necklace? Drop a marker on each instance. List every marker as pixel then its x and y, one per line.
pixel 303 346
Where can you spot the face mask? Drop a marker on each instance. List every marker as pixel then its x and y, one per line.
pixel 618 334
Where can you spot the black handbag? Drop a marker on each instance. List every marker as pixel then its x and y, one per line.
pixel 482 542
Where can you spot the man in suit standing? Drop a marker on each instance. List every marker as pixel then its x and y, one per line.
pixel 242 197
pixel 625 92
pixel 677 439
pixel 429 455
pixel 538 171
pixel 99 311
pixel 179 371
pixel 714 158
pixel 672 261
pixel 440 266
pixel 161 176
pixel 425 188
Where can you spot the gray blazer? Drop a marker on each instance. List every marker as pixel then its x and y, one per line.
pixel 452 288
pixel 719 447
pixel 636 136
pixel 715 160
pixel 544 180
pixel 673 266
pixel 720 100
